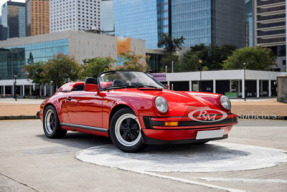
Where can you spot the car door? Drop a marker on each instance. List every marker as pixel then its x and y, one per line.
pixel 85 108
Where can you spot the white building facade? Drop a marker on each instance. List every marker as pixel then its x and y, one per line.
pixel 75 15
pixel 233 83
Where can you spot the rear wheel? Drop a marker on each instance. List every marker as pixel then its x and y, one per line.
pixel 125 131
pixel 51 124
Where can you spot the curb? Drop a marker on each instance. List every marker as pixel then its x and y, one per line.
pixel 21 117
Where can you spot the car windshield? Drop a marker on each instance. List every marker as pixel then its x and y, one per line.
pixel 128 79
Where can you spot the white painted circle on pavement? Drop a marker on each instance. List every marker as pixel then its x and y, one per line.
pixel 211 157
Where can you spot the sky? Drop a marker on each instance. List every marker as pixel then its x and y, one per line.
pixel 3 1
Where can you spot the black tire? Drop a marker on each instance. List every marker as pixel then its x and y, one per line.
pixel 125 131
pixel 51 124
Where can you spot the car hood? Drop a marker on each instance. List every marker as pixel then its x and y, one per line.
pixel 180 103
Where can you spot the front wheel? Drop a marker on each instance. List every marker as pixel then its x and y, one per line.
pixel 51 124
pixel 125 131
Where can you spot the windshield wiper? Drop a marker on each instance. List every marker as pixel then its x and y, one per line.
pixel 132 86
pixel 148 86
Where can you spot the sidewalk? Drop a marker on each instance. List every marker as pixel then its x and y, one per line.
pixel 20 109
pixel 266 108
pixel 262 107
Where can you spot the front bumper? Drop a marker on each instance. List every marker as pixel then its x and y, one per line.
pixel 151 141
pixel 38 115
pixel 155 131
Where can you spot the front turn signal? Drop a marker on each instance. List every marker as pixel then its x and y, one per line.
pixel 171 124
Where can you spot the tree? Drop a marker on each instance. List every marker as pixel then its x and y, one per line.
pixel 35 72
pixel 211 57
pixel 226 51
pixel 256 58
pixel 133 62
pixel 171 45
pixel 168 59
pixel 189 62
pixel 93 67
pixel 60 69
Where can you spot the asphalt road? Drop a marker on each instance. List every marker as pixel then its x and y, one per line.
pixel 31 162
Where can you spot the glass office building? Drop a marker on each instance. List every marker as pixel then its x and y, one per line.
pixel 107 17
pixel 208 21
pixel 198 21
pixel 141 19
pixel 13 59
pixel 14 18
pixel 249 22
pixel 192 20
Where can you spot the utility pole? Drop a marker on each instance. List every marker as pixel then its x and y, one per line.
pixel 200 69
pixel 244 66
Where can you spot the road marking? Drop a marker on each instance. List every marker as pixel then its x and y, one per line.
pixel 244 180
pixel 213 157
pixel 187 181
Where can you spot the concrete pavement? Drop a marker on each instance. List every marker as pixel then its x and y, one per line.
pixel 31 162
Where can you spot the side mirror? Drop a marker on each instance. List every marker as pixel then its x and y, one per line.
pixel 167 86
pixel 92 88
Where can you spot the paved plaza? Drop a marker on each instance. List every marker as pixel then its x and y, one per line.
pixel 31 162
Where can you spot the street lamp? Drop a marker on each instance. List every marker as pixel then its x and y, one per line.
pixel 15 89
pixel 200 69
pixel 244 67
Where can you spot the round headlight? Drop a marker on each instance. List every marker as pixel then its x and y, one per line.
pixel 161 104
pixel 225 102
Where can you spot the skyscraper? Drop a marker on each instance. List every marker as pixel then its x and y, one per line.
pixel 208 21
pixel 75 15
pixel 198 21
pixel 13 18
pixel 270 28
pixel 249 23
pixel 107 17
pixel 142 19
pixel 37 17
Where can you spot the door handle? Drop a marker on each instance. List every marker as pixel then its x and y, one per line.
pixel 68 98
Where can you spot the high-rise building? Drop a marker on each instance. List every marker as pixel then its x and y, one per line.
pixel 198 21
pixel 13 18
pixel 107 17
pixel 270 28
pixel 3 33
pixel 249 23
pixel 142 19
pixel 37 17
pixel 75 15
pixel 208 21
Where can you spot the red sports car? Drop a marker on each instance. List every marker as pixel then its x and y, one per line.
pixel 134 109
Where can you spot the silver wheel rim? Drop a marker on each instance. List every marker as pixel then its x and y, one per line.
pixel 50 121
pixel 134 131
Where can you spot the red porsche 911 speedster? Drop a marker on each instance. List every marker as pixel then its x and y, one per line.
pixel 134 110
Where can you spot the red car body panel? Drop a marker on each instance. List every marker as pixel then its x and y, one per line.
pixel 95 110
